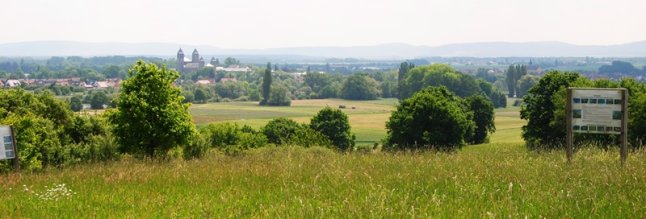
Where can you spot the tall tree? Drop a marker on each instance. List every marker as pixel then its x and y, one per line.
pixel 266 85
pixel 404 67
pixel 150 118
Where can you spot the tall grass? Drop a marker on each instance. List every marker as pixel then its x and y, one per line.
pixel 497 180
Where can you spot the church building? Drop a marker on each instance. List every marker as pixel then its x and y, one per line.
pixel 189 65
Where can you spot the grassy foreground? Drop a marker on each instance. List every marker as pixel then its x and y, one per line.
pixel 481 181
pixel 501 179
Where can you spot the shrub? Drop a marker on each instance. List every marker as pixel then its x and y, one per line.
pixel 221 134
pixel 307 137
pixel 280 130
pixel 197 148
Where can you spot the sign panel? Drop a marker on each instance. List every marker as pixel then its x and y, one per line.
pixel 597 111
pixel 6 143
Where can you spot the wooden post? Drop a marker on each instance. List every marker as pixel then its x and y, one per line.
pixel 624 127
pixel 568 108
pixel 16 159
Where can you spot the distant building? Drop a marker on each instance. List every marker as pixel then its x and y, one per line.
pixel 189 65
pixel 203 82
pixel 12 83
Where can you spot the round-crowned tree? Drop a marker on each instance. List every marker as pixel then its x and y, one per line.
pixel 150 117
pixel 433 118
pixel 333 124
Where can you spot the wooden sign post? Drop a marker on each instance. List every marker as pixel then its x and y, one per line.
pixel 597 111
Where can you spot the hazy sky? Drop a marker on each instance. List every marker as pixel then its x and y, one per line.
pixel 284 23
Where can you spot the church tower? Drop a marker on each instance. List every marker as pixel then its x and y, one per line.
pixel 180 61
pixel 196 56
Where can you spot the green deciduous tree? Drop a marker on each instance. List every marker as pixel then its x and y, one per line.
pixel 525 83
pixel 201 96
pixel 98 100
pixel 483 116
pixel 333 124
pixel 434 118
pixel 150 117
pixel 539 111
pixel 279 96
pixel 75 104
pixel 360 87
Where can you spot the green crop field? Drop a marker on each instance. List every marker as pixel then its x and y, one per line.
pixel 367 118
pixel 495 180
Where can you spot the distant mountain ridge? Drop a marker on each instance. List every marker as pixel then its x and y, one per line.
pixel 382 51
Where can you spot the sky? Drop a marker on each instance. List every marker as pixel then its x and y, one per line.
pixel 258 24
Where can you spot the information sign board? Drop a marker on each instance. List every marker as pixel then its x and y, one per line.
pixel 6 143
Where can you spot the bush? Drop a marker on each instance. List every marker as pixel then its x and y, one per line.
pixel 251 140
pixel 433 118
pixel 47 132
pixel 334 125
pixel 220 135
pixel 307 137
pixel 197 148
pixel 280 130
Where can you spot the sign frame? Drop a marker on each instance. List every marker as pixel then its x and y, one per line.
pixel 624 121
pixel 16 159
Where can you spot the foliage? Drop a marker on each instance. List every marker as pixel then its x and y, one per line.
pixel 266 85
pixel 197 148
pixel 483 116
pixel 317 81
pixel 98 100
pixel 279 96
pixel 332 90
pixel 538 109
pixel 48 133
pixel 360 87
pixel 404 67
pixel 334 125
pixel 433 118
pixel 200 95
pixel 150 118
pixel 514 73
pixel 280 130
pixel 308 137
pixel 618 67
pixel 75 104
pixel 525 83
pixel 220 135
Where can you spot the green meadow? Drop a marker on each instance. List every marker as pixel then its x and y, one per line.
pixel 494 180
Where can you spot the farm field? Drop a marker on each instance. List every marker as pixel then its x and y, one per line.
pixel 499 179
pixel 368 119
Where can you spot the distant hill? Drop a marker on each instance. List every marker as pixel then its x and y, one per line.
pixel 383 51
